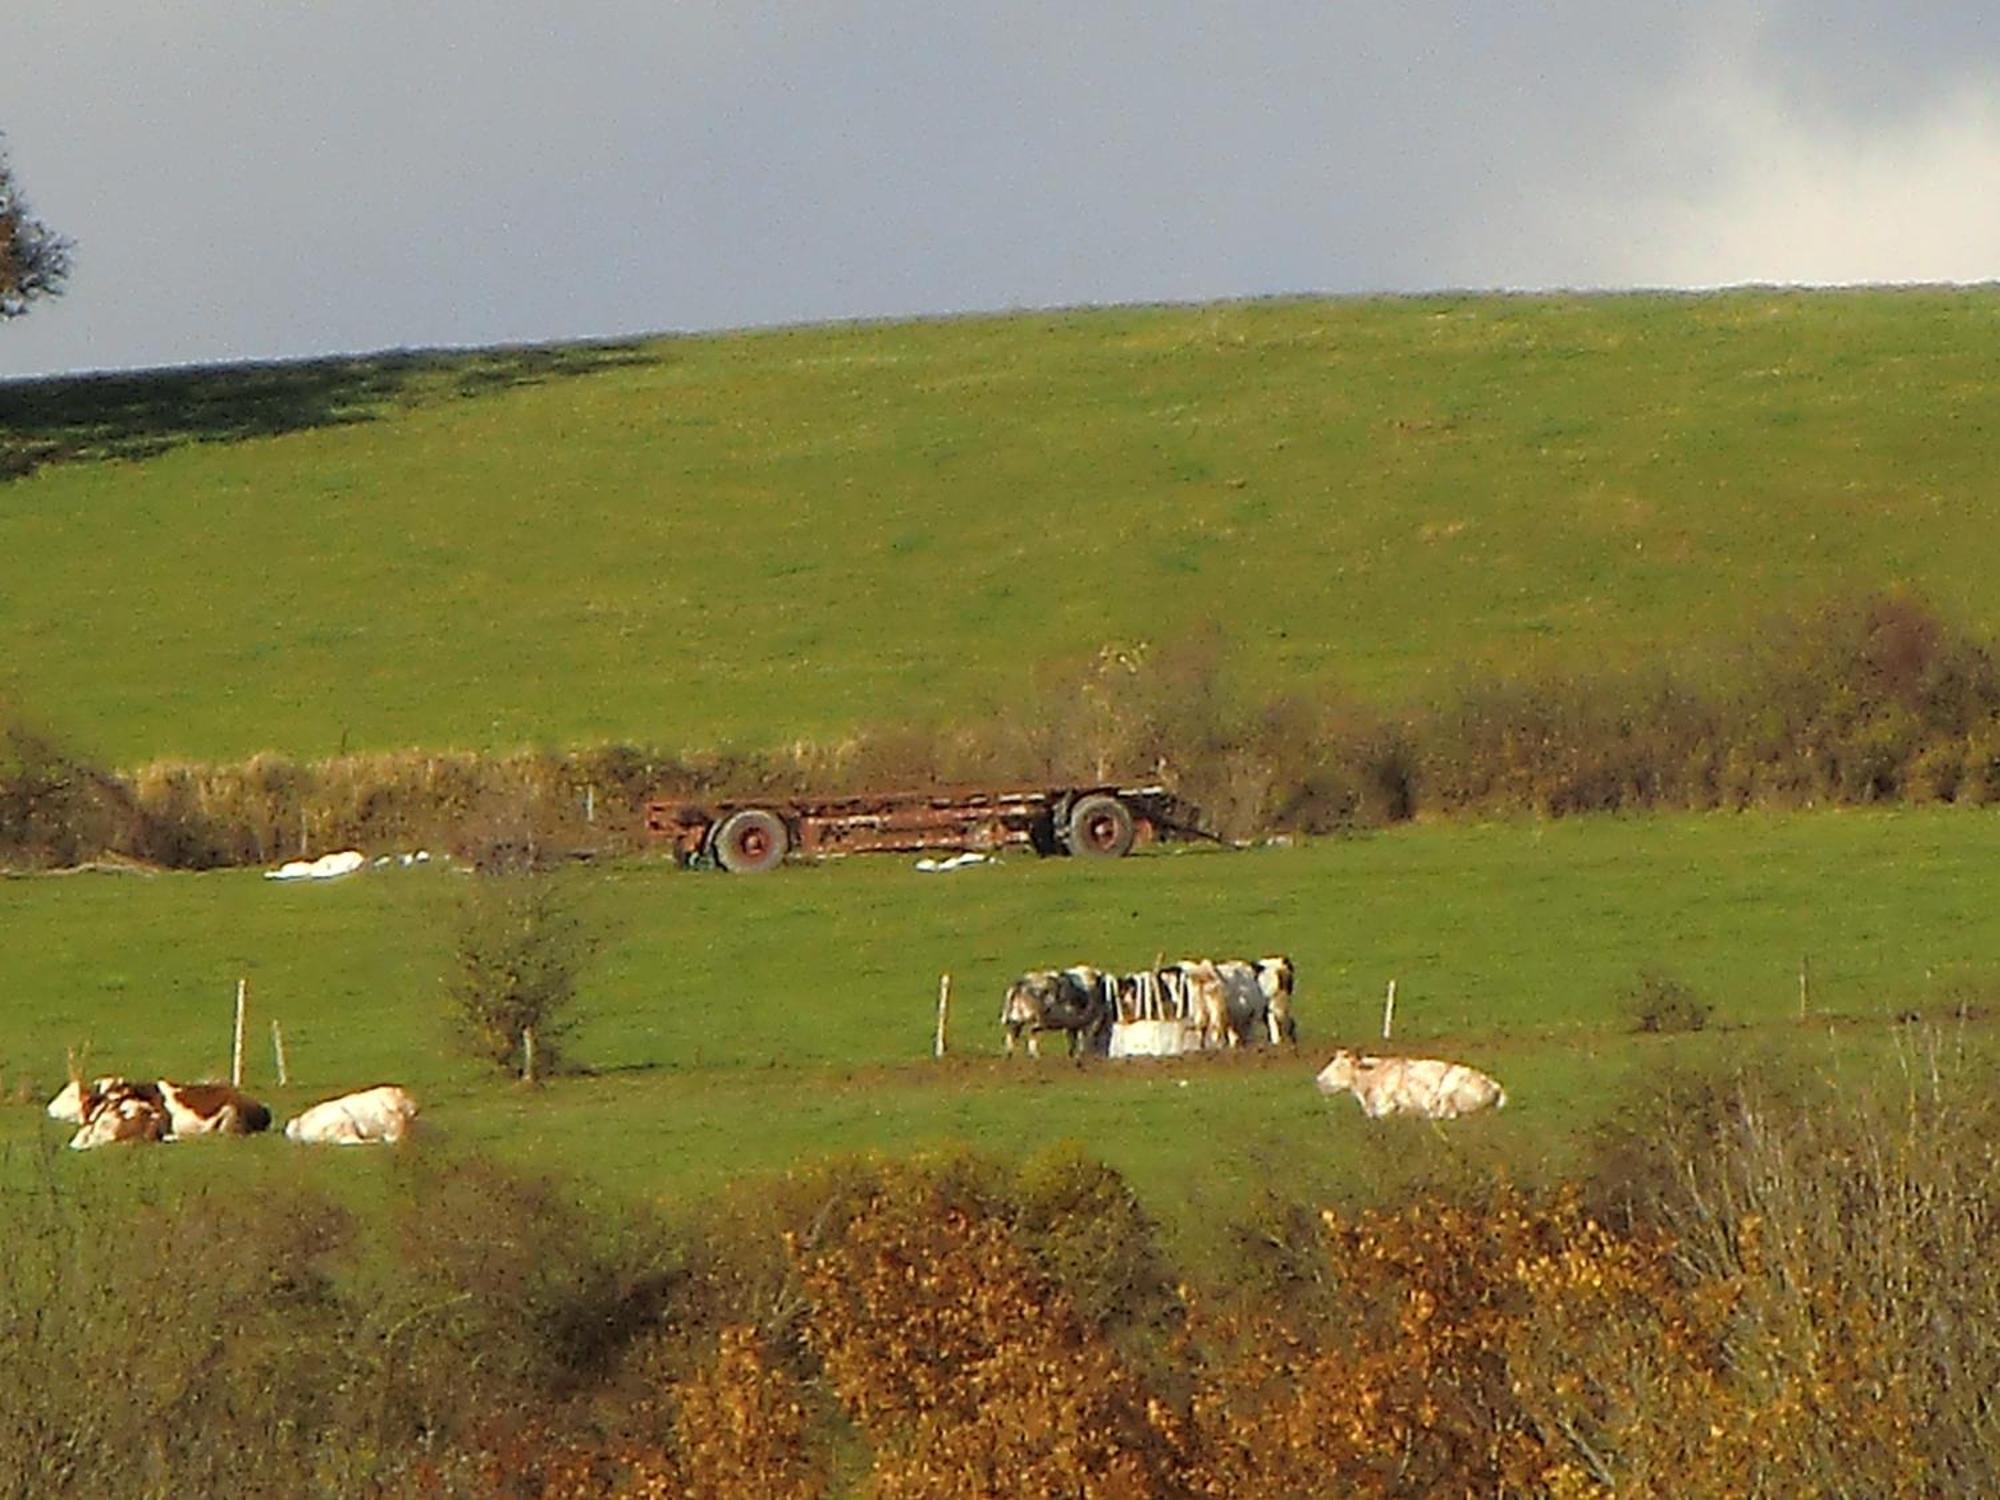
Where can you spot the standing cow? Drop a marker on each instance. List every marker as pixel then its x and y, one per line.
pixel 1410 1085
pixel 1208 1004
pixel 1260 1000
pixel 1080 1001
pixel 1276 977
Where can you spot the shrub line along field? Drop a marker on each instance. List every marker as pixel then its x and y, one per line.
pixel 737 1027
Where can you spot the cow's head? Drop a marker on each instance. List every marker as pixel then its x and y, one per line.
pixel 1027 999
pixel 1339 1074
pixel 1131 995
pixel 79 1099
pixel 68 1105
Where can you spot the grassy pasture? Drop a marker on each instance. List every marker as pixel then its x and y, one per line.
pixel 739 1026
pixel 746 539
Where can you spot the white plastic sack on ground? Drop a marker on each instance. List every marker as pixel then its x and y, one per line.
pixel 956 862
pixel 326 867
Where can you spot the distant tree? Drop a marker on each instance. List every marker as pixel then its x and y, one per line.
pixel 34 259
pixel 521 948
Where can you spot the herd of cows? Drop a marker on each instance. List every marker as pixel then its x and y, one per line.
pixel 106 1111
pixel 1191 1006
pixel 1198 1005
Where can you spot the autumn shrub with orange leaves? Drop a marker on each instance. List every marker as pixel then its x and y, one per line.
pixel 744 1426
pixel 969 1372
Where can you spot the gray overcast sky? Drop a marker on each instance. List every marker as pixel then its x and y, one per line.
pixel 263 179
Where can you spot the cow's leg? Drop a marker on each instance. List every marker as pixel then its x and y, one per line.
pixel 1034 1044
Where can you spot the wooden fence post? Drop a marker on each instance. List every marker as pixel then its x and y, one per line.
pixel 236 1047
pixel 278 1051
pixel 1389 1012
pixel 528 1054
pixel 1805 984
pixel 944 1011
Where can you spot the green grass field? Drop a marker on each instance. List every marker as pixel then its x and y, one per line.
pixel 737 1027
pixel 755 538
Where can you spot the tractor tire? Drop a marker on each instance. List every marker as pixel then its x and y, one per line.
pixel 1100 827
pixel 751 841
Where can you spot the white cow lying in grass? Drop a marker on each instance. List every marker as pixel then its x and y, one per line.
pixel 382 1115
pixel 1410 1085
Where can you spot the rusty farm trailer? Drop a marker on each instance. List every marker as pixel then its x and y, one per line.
pixel 1101 822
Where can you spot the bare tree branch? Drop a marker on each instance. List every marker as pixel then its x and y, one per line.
pixel 34 259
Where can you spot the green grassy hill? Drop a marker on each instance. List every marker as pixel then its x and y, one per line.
pixel 750 539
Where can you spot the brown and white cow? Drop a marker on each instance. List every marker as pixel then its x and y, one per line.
pixel 1207 1010
pixel 382 1115
pixel 1422 1086
pixel 188 1108
pixel 1276 977
pixel 212 1109
pixel 120 1116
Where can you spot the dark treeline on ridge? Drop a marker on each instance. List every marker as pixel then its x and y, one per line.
pixel 1865 701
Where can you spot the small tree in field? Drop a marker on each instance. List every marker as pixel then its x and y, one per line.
pixel 520 949
pixel 34 260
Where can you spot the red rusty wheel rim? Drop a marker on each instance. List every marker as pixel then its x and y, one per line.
pixel 1101 832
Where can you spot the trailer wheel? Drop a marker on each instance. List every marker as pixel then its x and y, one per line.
pixel 1100 827
pixel 751 841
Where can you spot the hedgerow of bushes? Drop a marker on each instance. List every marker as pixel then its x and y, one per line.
pixel 1866 701
pixel 1759 1289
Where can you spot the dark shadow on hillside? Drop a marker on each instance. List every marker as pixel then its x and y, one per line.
pixel 75 419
